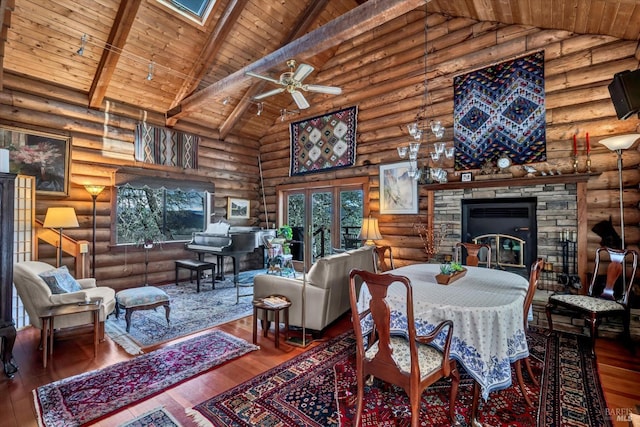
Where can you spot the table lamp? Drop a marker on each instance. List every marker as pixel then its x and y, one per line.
pixel 369 231
pixel 60 217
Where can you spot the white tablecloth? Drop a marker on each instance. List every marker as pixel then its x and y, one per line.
pixel 486 309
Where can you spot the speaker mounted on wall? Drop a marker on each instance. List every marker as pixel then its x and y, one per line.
pixel 625 93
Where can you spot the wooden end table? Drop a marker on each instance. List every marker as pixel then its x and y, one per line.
pixel 49 315
pixel 276 309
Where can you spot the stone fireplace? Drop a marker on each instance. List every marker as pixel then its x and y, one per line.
pixel 534 214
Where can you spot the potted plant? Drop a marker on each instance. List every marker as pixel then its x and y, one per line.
pixel 286 234
pixel 450 272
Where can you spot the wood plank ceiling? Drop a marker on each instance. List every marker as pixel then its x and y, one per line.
pixel 198 70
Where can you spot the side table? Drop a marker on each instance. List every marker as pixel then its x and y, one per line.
pixel 263 305
pixel 49 315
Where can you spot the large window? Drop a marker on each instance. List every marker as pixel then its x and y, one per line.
pixel 146 215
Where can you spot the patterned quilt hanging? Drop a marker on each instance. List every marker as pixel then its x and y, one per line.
pixel 500 110
pixel 323 143
pixel 164 146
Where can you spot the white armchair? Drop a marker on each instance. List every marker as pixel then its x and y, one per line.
pixel 36 296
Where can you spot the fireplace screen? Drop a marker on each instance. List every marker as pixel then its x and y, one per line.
pixel 506 250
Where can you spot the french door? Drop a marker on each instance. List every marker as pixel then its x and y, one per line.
pixel 325 216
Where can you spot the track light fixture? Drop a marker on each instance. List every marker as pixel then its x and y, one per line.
pixel 260 108
pixel 150 71
pixel 83 43
pixel 284 113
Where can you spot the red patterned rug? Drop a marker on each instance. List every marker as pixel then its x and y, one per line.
pixel 77 400
pixel 303 392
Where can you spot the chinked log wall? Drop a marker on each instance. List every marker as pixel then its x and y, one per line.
pixel 383 71
pixel 102 142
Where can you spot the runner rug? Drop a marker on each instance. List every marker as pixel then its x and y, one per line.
pixel 86 397
pixel 303 392
pixel 191 312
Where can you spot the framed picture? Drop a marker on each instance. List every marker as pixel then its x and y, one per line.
pixel 44 156
pixel 466 177
pixel 237 208
pixel 398 191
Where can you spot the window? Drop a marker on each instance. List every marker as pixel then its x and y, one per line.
pixel 195 10
pixel 146 215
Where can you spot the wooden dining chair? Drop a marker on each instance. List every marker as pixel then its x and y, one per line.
pixel 381 263
pixel 410 363
pixel 602 304
pixel 473 249
pixel 534 275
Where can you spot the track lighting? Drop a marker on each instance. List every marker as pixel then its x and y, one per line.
pixel 226 101
pixel 150 71
pixel 260 107
pixel 83 43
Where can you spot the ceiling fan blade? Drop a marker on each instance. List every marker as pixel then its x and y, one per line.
pixel 269 93
pixel 269 79
pixel 300 100
pixel 323 89
pixel 302 72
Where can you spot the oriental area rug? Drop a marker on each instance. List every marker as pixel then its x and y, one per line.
pixel 190 312
pixel 303 392
pixel 158 417
pixel 83 398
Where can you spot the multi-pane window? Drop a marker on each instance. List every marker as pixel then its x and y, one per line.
pixel 146 215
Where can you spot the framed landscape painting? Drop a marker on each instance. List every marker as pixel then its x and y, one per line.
pixel 238 208
pixel 42 155
pixel 398 191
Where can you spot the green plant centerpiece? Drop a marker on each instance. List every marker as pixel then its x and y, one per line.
pixel 450 272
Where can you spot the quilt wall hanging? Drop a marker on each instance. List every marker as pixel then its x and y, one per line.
pixel 500 110
pixel 164 146
pixel 323 143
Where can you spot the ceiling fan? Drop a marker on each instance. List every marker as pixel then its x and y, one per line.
pixel 292 82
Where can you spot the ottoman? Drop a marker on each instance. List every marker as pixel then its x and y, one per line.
pixel 143 298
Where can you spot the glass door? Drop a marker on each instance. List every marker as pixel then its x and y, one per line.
pixel 324 219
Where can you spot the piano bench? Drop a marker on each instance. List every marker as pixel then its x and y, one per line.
pixel 197 266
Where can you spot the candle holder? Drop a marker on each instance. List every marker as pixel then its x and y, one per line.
pixel 588 162
pixel 575 163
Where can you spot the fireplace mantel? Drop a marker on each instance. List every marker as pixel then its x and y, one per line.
pixel 514 182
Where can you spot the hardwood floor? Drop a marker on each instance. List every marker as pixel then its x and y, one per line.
pixel 619 371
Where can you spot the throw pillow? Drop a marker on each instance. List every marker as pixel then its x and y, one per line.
pixel 60 281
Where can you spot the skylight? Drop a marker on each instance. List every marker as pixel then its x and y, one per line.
pixel 196 10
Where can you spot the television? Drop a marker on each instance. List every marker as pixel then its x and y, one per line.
pixel 625 93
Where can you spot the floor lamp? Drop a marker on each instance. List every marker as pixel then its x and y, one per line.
pixel 617 144
pixel 94 190
pixel 60 217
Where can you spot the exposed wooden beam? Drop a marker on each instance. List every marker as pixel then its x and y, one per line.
pixel 353 23
pixel 119 32
pixel 208 54
pixel 6 7
pixel 303 25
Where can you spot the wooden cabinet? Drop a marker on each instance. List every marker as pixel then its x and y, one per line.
pixel 7 327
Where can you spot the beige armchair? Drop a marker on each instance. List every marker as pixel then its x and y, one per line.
pixel 37 296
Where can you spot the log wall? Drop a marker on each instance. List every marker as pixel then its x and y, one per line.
pixel 383 73
pixel 103 141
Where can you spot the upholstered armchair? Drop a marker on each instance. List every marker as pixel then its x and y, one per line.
pixel 37 295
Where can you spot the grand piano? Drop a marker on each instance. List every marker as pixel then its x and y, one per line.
pixel 220 239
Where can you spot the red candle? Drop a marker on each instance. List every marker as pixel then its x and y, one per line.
pixel 588 145
pixel 575 146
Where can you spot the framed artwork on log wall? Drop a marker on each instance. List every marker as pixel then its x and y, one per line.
pixel 42 155
pixel 398 191
pixel 237 208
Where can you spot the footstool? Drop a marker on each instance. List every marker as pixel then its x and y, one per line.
pixel 142 298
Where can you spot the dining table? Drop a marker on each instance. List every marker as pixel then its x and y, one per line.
pixel 486 307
